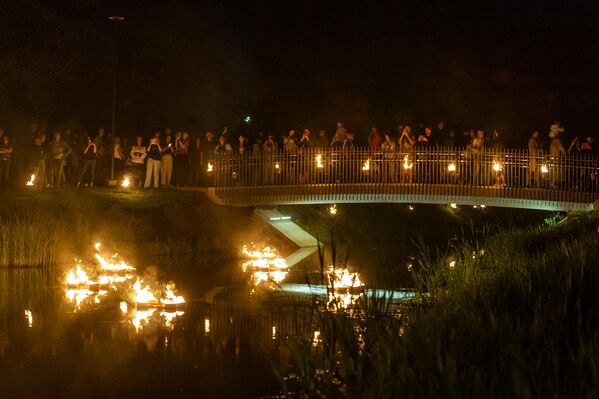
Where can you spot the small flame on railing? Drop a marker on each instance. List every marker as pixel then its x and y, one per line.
pixel 31 181
pixel 406 163
pixel 366 166
pixel 497 167
pixel 210 167
pixel 319 163
pixel 451 167
pixel 544 169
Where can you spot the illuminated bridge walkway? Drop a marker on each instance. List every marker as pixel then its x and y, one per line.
pixel 501 178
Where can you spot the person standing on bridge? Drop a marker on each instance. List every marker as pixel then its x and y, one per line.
pixel 406 142
pixel 389 159
pixel 269 156
pixel 535 150
pixel 556 152
pixel 153 164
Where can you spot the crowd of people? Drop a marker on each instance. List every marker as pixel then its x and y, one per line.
pixel 167 159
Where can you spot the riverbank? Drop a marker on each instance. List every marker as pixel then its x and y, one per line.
pixel 513 315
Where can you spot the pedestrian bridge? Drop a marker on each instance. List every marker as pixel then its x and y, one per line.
pixel 500 178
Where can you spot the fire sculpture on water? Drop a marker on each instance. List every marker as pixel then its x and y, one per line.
pixel 113 274
pixel 265 266
pixel 344 288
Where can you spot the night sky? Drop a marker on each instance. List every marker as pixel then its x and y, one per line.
pixel 202 65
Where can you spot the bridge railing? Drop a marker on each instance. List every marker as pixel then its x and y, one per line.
pixel 497 168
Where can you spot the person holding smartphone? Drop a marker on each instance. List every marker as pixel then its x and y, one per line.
pixel 153 164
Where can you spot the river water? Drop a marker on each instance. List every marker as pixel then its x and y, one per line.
pixel 225 342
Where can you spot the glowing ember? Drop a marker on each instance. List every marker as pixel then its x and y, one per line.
pixel 264 266
pixel 344 286
pixel 126 182
pixel 31 181
pixel 451 167
pixel 544 169
pixel 319 163
pixel 210 167
pixel 366 165
pixel 406 163
pixel 333 209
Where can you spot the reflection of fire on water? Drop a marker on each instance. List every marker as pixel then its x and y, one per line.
pixel 31 181
pixel 113 274
pixel 344 287
pixel 29 318
pixel 264 266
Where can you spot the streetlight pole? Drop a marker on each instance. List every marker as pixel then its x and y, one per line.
pixel 117 19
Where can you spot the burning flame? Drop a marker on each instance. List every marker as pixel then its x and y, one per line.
pixel 265 265
pixel 277 166
pixel 333 209
pixel 497 167
pixel 210 167
pixel 344 286
pixel 169 317
pixel 454 206
pixel 126 182
pixel 319 163
pixel 143 295
pixel 451 167
pixel 366 165
pixel 141 318
pixel 170 298
pixel 406 163
pixel 544 169
pixel 31 181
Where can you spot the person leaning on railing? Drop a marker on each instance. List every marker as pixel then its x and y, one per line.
pixel 535 150
pixel 556 152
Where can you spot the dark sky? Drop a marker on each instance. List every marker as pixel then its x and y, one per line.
pixel 201 65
